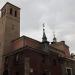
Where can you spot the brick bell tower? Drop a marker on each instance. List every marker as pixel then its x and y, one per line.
pixel 9 28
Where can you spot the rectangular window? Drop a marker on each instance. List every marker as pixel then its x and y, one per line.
pixel 69 71
pixel 27 66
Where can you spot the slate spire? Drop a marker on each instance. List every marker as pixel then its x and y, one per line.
pixel 44 38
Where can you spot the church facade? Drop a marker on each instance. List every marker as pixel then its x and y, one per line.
pixel 26 56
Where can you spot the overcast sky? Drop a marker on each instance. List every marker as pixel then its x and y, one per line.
pixel 58 16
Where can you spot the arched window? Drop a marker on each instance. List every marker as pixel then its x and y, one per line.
pixel 11 11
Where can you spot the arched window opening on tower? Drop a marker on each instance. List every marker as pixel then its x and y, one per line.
pixel 3 12
pixel 11 11
pixel 15 14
